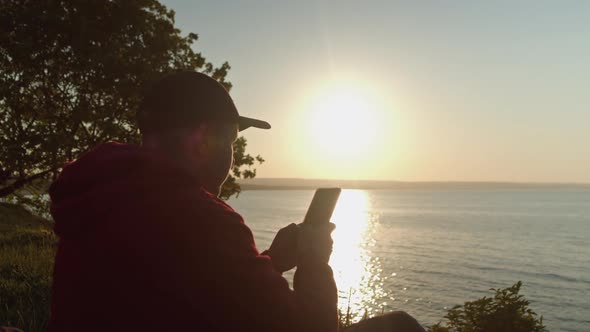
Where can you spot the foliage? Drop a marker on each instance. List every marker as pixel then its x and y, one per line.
pixel 71 77
pixel 241 159
pixel 345 319
pixel 506 311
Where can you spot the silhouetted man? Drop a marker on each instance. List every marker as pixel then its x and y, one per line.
pixel 145 244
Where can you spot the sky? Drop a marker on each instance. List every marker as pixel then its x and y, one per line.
pixel 410 91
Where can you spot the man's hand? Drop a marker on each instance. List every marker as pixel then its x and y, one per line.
pixel 301 244
pixel 283 250
pixel 315 243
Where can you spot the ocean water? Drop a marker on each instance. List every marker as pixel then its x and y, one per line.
pixel 425 251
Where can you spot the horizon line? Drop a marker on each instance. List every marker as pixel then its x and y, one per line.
pixel 425 181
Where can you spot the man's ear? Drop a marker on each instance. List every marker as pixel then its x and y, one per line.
pixel 199 140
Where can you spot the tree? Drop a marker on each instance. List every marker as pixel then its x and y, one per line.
pixel 506 311
pixel 241 159
pixel 71 74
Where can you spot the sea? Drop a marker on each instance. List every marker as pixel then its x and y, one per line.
pixel 425 251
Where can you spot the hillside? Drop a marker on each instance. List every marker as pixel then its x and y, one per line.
pixel 14 216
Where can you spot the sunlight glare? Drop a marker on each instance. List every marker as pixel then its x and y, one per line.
pixel 343 122
pixel 357 273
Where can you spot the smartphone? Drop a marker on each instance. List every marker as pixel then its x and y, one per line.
pixel 322 206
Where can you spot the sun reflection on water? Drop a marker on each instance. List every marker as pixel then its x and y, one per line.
pixel 357 271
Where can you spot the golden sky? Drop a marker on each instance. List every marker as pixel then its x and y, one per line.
pixel 415 91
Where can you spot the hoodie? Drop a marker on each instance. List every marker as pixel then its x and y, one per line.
pixel 143 247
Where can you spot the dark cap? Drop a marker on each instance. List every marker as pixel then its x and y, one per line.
pixel 188 98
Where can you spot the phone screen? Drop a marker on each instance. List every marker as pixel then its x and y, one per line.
pixel 322 206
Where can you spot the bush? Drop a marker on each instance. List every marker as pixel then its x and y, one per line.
pixel 506 311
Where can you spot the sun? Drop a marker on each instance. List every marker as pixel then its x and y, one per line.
pixel 343 122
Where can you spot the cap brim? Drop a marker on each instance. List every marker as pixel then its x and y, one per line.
pixel 246 123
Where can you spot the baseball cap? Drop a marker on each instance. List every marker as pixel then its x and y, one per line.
pixel 187 98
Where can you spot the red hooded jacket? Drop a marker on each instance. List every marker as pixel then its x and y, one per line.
pixel 143 247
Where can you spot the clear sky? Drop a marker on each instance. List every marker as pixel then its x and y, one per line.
pixel 414 90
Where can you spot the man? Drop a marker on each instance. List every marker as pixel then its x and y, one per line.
pixel 146 245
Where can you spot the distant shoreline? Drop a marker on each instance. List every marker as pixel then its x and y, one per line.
pixel 310 184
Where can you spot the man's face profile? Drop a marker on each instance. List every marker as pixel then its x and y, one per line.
pixel 213 157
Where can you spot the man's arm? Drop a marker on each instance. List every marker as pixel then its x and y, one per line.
pixel 214 265
pixel 310 248
pixel 311 306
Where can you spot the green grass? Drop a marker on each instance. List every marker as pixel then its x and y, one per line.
pixel 27 250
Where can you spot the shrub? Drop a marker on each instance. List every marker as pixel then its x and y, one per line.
pixel 506 311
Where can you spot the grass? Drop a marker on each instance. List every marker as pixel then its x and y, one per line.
pixel 27 250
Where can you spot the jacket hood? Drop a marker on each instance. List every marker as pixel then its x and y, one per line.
pixel 102 180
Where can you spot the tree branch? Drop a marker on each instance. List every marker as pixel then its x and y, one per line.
pixel 22 182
